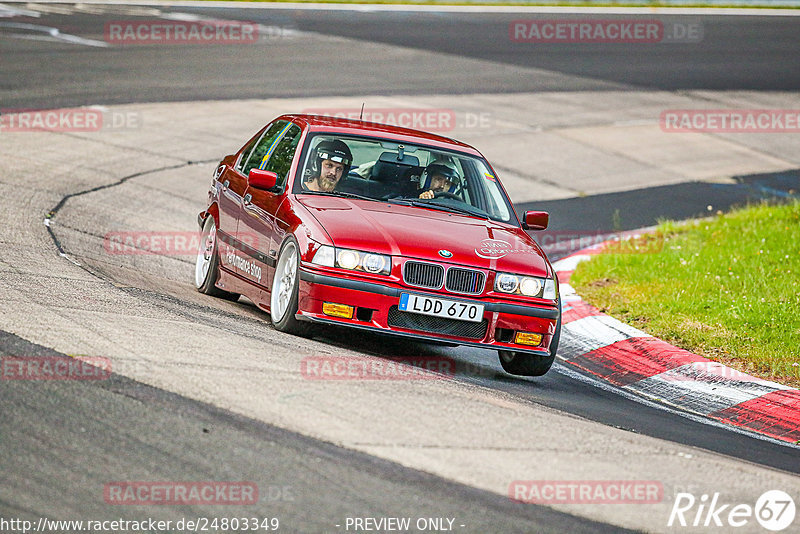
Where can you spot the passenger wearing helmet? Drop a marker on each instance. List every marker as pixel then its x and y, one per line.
pixel 438 177
pixel 331 162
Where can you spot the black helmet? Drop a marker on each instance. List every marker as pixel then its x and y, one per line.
pixel 334 150
pixel 443 169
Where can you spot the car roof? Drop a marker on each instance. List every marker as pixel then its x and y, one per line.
pixel 338 125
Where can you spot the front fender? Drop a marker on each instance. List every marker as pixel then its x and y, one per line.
pixel 295 220
pixel 212 210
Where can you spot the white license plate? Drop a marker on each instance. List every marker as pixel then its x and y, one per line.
pixel 451 309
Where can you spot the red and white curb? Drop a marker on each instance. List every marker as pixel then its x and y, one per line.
pixel 641 364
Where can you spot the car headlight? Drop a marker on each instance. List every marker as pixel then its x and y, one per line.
pixel 506 283
pixel 375 263
pixel 353 260
pixel 347 259
pixel 528 286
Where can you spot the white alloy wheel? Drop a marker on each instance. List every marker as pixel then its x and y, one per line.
pixel 205 252
pixel 283 285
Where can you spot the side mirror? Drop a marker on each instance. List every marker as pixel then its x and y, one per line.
pixel 260 179
pixel 535 220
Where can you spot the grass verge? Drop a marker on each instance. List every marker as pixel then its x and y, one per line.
pixel 727 288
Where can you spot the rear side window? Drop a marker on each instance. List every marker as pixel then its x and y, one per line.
pixel 280 161
pixel 256 155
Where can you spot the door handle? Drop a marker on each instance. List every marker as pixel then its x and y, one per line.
pixel 247 198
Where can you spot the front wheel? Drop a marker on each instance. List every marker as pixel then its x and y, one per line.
pixel 285 287
pixel 206 267
pixel 520 363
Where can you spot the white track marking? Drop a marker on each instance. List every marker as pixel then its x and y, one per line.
pixel 557 10
pixel 102 9
pixel 264 31
pixel 570 262
pixel 696 395
pixel 51 8
pixel 711 371
pixel 594 332
pixel 705 387
pixel 7 11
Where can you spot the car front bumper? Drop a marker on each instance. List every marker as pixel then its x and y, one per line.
pixel 376 310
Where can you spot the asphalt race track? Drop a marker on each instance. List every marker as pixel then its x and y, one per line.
pixel 206 390
pixel 67 77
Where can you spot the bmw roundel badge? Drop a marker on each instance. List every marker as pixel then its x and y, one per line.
pixel 445 253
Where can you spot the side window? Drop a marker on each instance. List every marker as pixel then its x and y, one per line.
pixel 280 161
pixel 262 147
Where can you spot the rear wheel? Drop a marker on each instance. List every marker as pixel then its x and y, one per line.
pixel 206 267
pixel 520 363
pixel 285 287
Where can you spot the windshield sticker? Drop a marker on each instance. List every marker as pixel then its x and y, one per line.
pixel 489 177
pixel 264 160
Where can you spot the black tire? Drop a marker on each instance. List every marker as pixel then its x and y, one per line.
pixel 206 269
pixel 283 312
pixel 523 364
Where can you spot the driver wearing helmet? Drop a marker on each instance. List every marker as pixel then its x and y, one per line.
pixel 439 176
pixel 332 161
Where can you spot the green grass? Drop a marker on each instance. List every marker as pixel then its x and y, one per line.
pixel 725 287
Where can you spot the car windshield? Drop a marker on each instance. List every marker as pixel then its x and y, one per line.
pixel 416 175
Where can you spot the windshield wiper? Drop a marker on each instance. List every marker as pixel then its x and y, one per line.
pixel 440 207
pixel 459 209
pixel 338 194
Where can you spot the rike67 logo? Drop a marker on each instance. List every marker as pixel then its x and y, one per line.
pixel 774 510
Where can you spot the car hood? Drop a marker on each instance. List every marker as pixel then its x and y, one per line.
pixel 421 233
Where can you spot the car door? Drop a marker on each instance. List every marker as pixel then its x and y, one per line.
pixel 256 229
pixel 232 188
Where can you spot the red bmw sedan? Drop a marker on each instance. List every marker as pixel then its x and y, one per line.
pixel 396 231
